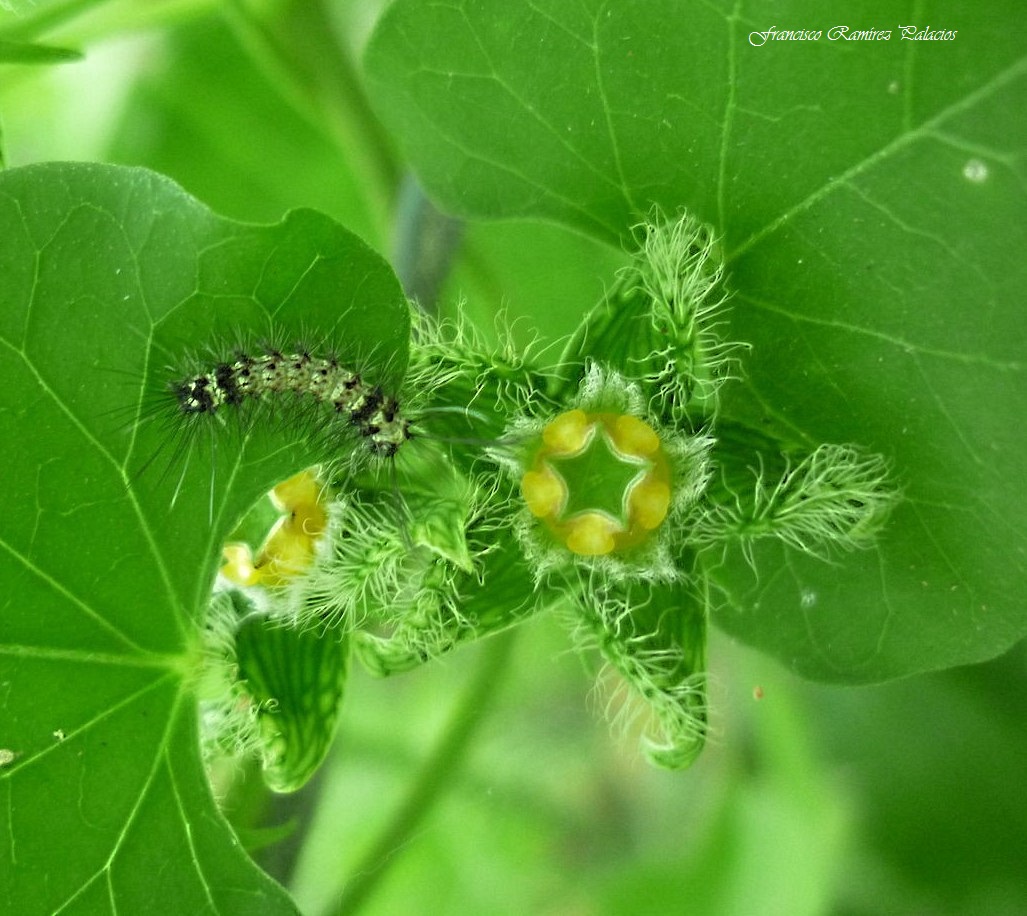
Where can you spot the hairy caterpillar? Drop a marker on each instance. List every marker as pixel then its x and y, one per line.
pixel 338 407
pixel 303 374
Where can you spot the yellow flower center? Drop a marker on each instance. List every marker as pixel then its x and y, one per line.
pixel 600 482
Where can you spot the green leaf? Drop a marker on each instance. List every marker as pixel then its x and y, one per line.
pixel 870 196
pixel 552 276
pixel 107 275
pixel 586 113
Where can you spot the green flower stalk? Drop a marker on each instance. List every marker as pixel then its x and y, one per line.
pixel 599 486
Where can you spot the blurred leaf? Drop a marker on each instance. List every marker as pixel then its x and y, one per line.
pixel 934 762
pixel 540 276
pixel 773 839
pixel 294 42
pixel 845 177
pixel 23 20
pixel 246 151
pixel 106 275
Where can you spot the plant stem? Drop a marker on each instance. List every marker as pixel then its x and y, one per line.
pixel 425 242
pixel 435 777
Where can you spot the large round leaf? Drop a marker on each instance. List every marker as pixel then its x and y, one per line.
pixel 872 198
pixel 107 276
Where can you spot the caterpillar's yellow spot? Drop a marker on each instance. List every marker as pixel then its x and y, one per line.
pixel 291 544
pixel 599 482
pixel 591 534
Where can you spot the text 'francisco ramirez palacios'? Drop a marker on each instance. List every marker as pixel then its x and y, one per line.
pixel 847 33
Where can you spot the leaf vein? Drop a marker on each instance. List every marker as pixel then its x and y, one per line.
pixel 970 359
pixel 868 162
pixel 90 612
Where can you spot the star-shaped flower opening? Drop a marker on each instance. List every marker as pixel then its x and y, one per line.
pixel 600 482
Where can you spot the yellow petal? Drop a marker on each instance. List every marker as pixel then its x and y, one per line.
pixel 543 491
pixel 633 436
pixel 568 433
pixel 591 535
pixel 648 503
pixel 239 566
pixel 302 489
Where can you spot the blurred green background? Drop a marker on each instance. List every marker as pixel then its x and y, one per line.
pixel 903 798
